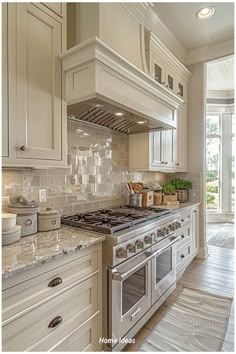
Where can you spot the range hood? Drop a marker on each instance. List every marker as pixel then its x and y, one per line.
pixel 104 89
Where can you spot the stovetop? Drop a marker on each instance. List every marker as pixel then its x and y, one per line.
pixel 109 221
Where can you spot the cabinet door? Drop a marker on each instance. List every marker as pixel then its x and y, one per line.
pixel 5 112
pixel 170 80
pixel 157 69
pixel 55 7
pixel 195 231
pixel 157 149
pixel 181 89
pixel 181 159
pixel 169 148
pixel 39 84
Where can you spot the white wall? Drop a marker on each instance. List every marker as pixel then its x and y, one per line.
pixel 196 138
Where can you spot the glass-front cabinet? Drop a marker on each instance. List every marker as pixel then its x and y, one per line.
pixel 158 70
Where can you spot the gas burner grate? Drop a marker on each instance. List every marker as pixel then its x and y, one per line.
pixel 112 220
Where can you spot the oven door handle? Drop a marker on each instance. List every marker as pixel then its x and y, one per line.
pixel 116 275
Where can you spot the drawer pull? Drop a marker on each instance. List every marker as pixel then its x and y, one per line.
pixel 182 255
pixel 55 282
pixel 55 322
pixel 182 236
pixel 182 220
pixel 53 222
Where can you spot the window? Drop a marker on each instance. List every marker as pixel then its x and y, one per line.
pixel 213 157
pixel 220 162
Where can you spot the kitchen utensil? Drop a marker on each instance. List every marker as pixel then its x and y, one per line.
pixel 49 219
pixel 8 221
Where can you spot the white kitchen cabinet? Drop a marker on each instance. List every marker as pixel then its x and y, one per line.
pixel 5 108
pixel 37 115
pixel 195 231
pixel 40 317
pixel 181 137
pixel 165 68
pixel 56 7
pixel 153 151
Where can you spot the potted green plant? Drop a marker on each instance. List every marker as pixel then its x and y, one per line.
pixel 181 186
pixel 169 194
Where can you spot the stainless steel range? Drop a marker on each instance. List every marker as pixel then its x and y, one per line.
pixel 139 265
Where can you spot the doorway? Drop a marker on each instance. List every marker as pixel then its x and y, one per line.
pixel 220 154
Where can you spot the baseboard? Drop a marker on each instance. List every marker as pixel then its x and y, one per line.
pixel 203 252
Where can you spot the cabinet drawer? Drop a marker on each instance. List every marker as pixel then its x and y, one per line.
pixel 30 292
pixel 75 305
pixel 183 254
pixel 83 339
pixel 185 217
pixel 185 233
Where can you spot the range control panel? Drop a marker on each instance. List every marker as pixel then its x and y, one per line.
pixel 137 244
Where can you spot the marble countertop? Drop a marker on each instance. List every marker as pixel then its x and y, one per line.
pixel 31 251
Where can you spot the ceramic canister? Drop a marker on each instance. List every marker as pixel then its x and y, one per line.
pixel 26 215
pixel 49 219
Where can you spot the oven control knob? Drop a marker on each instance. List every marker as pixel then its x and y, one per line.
pixel 167 231
pixel 171 227
pixel 131 248
pixel 139 244
pixel 161 233
pixel 122 253
pixel 148 239
pixel 178 224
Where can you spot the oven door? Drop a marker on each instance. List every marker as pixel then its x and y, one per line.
pixel 163 266
pixel 130 294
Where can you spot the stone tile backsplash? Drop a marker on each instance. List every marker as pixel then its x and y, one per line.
pixel 96 174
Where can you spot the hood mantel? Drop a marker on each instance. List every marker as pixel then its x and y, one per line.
pixel 96 72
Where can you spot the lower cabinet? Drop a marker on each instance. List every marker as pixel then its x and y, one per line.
pixel 67 319
pixel 188 245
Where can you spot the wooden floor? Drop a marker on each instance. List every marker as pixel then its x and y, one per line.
pixel 214 275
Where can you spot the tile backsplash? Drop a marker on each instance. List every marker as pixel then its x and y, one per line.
pixel 96 174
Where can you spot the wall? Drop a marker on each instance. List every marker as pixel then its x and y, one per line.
pixel 196 139
pixel 95 178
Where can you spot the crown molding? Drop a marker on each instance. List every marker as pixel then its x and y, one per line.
pixel 207 53
pixel 220 94
pixel 154 24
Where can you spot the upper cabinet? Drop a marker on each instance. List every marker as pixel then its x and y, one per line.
pixel 164 68
pixel 34 119
pixel 153 151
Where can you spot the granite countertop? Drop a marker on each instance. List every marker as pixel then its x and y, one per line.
pixel 31 251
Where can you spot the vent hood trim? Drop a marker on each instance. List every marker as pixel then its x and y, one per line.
pixel 95 71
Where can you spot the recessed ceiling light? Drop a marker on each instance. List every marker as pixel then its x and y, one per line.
pixel 98 105
pixel 119 114
pixel 205 13
pixel 141 121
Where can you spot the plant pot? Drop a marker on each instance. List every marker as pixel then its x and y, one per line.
pixel 182 195
pixel 169 198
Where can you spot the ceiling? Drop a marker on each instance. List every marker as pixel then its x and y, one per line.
pixel 220 74
pixel 191 32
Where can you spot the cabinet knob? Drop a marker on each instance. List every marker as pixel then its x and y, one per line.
pixel 177 164
pixel 23 148
pixel 182 255
pixel 166 163
pixel 55 322
pixel 55 282
pixel 163 83
pixel 167 86
pixel 162 161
